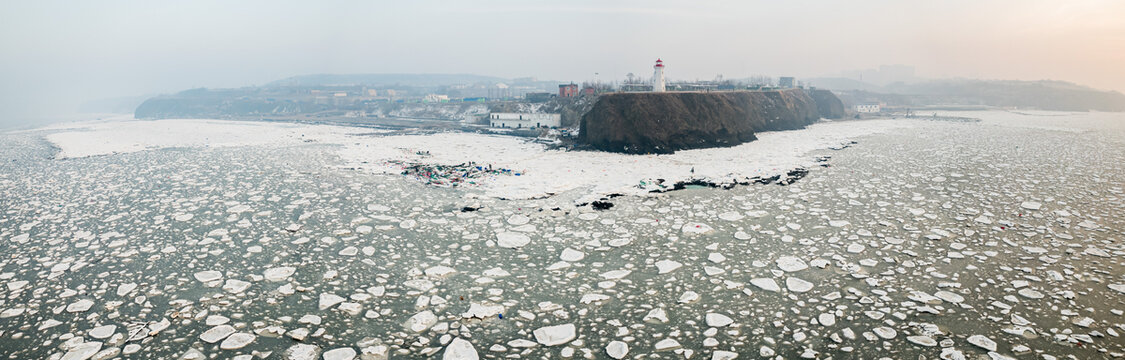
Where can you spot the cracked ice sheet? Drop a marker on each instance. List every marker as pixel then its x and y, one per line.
pixel 545 172
pixel 1046 120
pixel 123 136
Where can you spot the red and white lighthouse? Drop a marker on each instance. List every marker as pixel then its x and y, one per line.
pixel 658 76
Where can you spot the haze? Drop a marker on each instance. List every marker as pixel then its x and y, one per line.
pixel 58 55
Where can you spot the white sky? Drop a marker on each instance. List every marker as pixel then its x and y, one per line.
pixel 57 54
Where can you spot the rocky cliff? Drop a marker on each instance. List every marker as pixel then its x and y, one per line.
pixel 827 104
pixel 662 123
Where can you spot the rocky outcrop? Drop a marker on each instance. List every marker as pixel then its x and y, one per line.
pixel 827 104
pixel 662 123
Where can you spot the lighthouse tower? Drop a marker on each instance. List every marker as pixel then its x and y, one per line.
pixel 658 76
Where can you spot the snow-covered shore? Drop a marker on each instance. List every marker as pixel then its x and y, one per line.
pixel 123 136
pixel 542 172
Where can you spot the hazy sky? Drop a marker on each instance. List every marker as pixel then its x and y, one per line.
pixel 57 54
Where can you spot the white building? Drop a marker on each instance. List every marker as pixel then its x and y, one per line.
pixel 524 120
pixel 868 108
pixel 658 76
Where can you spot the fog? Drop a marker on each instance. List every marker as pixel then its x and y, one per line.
pixel 58 55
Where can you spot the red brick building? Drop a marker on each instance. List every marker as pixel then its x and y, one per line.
pixel 568 90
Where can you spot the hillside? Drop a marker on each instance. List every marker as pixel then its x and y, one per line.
pixel 665 122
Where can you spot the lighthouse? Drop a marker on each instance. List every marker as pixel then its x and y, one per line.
pixel 658 76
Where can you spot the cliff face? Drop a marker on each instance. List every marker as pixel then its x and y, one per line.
pixel 642 123
pixel 827 104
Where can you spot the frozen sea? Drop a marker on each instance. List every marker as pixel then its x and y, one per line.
pixel 997 239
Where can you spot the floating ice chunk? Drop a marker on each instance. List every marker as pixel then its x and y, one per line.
pixel 696 229
pixel 555 335
pixel 791 264
pixel 511 240
pixel 208 276
pixel 80 306
pixel 102 332
pixel 716 258
pixel 522 343
pixel 235 286
pixel 1084 321
pixel 518 219
pixel 14 286
pixel 1030 205
pixel 213 320
pixel 301 352
pixel 689 297
pixel 667 344
pixel 838 223
pixel 923 297
pixel 826 319
pixel 1030 293
pixel 496 272
pixel 855 248
pixel 49 323
pixel 983 342
pixel 421 321
pixel 656 316
pixel 949 296
pixel 723 355
pixel 766 284
pixel 460 349
pixel 482 311
pixel 82 351
pixel 885 332
pixel 922 340
pixel 615 274
pixel 797 285
pixel 126 288
pixel 617 349
pixel 237 341
pixel 983 220
pixel 558 266
pixel 571 255
pixel 766 351
pixel 213 335
pixel 329 300
pixel 592 298
pixel 667 266
pixel 349 251
pixel 345 353
pixel 1117 287
pixel 717 320
pixel 619 242
pixel 279 273
pixel 1096 252
pixel 439 271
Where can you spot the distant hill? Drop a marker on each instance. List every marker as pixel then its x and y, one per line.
pixel 384 79
pixel 1044 94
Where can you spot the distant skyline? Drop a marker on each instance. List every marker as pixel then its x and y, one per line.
pixel 59 54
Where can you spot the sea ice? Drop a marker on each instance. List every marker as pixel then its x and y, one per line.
pixel 460 349
pixel 791 264
pixel 555 335
pixel 512 240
